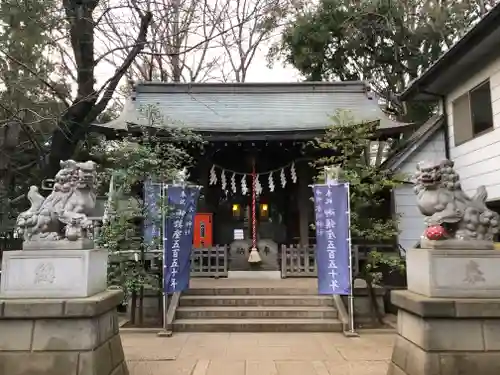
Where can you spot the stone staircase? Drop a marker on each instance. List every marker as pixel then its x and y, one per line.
pixel 257 309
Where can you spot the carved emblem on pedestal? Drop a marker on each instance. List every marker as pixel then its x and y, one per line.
pixel 473 273
pixel 45 273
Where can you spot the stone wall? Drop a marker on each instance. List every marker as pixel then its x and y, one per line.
pixel 61 337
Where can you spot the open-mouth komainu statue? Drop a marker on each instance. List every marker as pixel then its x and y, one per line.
pixel 440 197
pixel 63 215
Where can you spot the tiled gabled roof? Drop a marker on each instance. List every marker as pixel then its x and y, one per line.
pixel 252 107
pixel 411 144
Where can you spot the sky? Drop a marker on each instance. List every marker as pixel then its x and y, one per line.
pixel 215 56
pixel 258 71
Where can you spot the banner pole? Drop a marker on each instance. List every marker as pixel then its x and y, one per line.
pixel 169 197
pixel 165 331
pixel 351 291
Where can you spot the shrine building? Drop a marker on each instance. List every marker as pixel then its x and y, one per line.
pixel 262 129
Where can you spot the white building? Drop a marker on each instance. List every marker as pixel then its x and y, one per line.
pixel 466 82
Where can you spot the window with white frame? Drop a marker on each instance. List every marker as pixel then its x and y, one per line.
pixel 472 113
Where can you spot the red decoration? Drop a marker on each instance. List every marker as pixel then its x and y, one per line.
pixel 435 233
pixel 254 199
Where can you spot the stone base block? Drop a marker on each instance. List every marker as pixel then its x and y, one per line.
pixel 53 273
pixel 64 244
pixel 61 337
pixel 454 273
pixel 442 336
pixel 410 359
pixel 456 244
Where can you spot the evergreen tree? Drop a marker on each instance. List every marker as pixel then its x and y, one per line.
pixel 353 147
pixel 385 42
pixel 28 104
pixel 129 162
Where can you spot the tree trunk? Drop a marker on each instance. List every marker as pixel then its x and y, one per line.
pixel 71 129
pixel 133 307
pixel 141 305
pixel 9 138
pixel 89 103
pixel 377 318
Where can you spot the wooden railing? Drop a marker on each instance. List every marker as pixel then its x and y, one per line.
pixel 209 262
pixel 205 262
pixel 298 261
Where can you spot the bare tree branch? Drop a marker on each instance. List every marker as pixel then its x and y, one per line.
pixel 245 39
pixel 115 79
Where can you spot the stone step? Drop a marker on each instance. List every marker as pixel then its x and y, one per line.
pixel 256 312
pixel 241 291
pixel 252 300
pixel 257 325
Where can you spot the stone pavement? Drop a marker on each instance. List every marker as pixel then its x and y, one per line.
pixel 257 354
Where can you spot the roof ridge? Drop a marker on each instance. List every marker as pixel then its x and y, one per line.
pixel 263 83
pixel 251 87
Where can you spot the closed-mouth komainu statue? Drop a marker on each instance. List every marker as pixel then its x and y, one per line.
pixel 451 215
pixel 63 215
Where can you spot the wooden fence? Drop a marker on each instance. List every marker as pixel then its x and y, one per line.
pixel 205 262
pixel 209 262
pixel 300 261
pixel 296 261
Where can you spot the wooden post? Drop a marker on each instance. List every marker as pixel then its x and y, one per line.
pixel 303 202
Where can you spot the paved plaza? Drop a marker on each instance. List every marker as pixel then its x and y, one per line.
pixel 257 354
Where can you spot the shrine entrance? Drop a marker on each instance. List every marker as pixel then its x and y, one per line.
pixel 255 192
pixel 268 248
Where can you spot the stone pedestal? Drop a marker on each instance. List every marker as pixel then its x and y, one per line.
pixel 77 336
pixel 446 336
pixel 463 273
pixel 449 318
pixel 53 273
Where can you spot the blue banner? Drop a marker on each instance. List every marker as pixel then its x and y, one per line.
pixel 152 220
pixel 332 238
pixel 178 240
